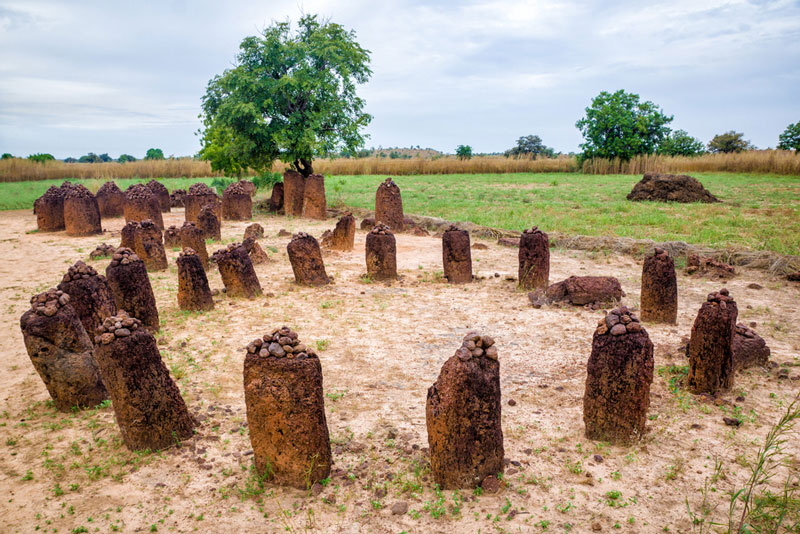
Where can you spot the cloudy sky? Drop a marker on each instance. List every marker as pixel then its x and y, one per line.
pixel 119 77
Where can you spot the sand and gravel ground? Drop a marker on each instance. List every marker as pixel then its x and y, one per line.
pixel 381 347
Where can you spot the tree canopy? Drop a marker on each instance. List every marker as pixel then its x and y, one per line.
pixel 154 153
pixel 618 125
pixel 291 96
pixel 680 143
pixel 530 145
pixel 790 138
pixel 729 142
pixel 464 152
pixel 41 158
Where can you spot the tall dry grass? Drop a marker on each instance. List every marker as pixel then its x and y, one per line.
pixel 755 161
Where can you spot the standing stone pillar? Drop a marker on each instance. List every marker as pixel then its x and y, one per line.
pixel 294 186
pixel 89 295
pixel 140 204
pixel 463 415
pixel 110 200
pixel 534 260
pixel 659 298
pixel 197 196
pixel 255 230
pixel 389 205
pixel 381 251
pixel 172 237
pixel 619 374
pixel 456 256
pixel 254 250
pixel 148 406
pixel 148 246
pixel 286 410
pixel 81 213
pixel 49 210
pixel 343 236
pixel 128 235
pixel 314 203
pixel 130 285
pixel 208 222
pixel 276 198
pixel 306 259
pixel 193 291
pixel 236 203
pixel 237 271
pixel 711 344
pixel 161 193
pixel 194 238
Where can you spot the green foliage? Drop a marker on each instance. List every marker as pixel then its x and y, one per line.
pixel 40 158
pixel 291 97
pixel 530 145
pixel 91 157
pixel 154 153
pixel 729 142
pixel 6 155
pixel 464 152
pixel 618 125
pixel 680 143
pixel 788 140
pixel 266 179
pixel 124 158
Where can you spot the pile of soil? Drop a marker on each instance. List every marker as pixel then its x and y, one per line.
pixel 670 188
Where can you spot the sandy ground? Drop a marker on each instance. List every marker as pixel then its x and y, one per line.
pixel 383 347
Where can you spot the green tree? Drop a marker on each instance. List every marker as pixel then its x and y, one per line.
pixel 680 143
pixel 618 125
pixel 41 158
pixel 91 157
pixel 154 153
pixel 291 96
pixel 729 142
pixel 464 152
pixel 531 145
pixel 124 158
pixel 790 138
pixel 6 155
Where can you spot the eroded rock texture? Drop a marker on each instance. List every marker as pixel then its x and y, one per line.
pixel 389 205
pixel 709 267
pixel 255 230
pixel 198 196
pixel 294 186
pixel 161 193
pixel 276 198
pixel 670 188
pixel 130 285
pixel 61 352
pixel 595 291
pixel 749 349
pixel 367 223
pixel 81 213
pixel 110 200
pixel 659 297
pixel 286 410
pixel 237 204
pixel 236 270
pixel 149 247
pixel 172 237
pixel 456 256
pixel 534 260
pixel 314 204
pixel 177 198
pixel 711 345
pixel 194 238
pixel 381 252
pixel 463 415
pixel 343 235
pixel 49 210
pixel 141 204
pixel 618 378
pixel 90 295
pixel 194 294
pixel 209 223
pixel 254 250
pixel 306 259
pixel 148 406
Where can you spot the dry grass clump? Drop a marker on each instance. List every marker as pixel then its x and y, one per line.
pixel 754 161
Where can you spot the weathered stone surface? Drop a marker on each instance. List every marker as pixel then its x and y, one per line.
pixel 197 197
pixel 306 259
pixel 49 210
pixel 389 205
pixel 61 352
pixel 110 200
pixel 276 198
pixel 237 204
pixel 581 291
pixel 255 230
pixel 534 260
pixel 286 411
pixel 194 293
pixel 463 415
pixel 368 223
pixel 141 204
pixel 148 406
pixel 148 246
pixel 89 294
pixel 381 253
pixel 254 250
pixel 237 271
pixel 659 297
pixel 128 235
pixel 343 236
pixel 456 256
pixel 294 186
pixel 619 374
pixel 130 285
pixel 708 267
pixel 711 345
pixel 314 204
pixel 209 223
pixel 81 213
pixel 749 349
pixel 172 237
pixel 194 238
pixel 670 188
pixel 177 198
pixel 161 193
pixel 102 250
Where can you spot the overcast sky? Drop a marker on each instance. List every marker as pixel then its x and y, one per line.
pixel 120 77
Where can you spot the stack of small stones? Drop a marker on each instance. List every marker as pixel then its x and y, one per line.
pixel 119 325
pixel 659 297
pixel 81 213
pixel 381 252
pixel 110 200
pixel 172 237
pixel 236 203
pixel 149 247
pixel 463 415
pixel 193 291
pixel 141 204
pixel 130 285
pixel 102 251
pixel 619 374
pixel 192 237
pixel 534 260
pixel 90 295
pixel 286 410
pixel 389 206
pixel 306 259
pixel 160 191
pixel 199 195
pixel 710 349
pixel 254 250
pixel 456 255
pixel 236 270
pixel 61 351
pixel 208 222
pixel 49 209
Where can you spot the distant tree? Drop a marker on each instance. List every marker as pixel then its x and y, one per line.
pixel 680 143
pixel 105 158
pixel 788 140
pixel 464 152
pixel 618 125
pixel 291 96
pixel 124 158
pixel 530 145
pixel 729 142
pixel 154 153
pixel 91 157
pixel 41 158
pixel 70 160
pixel 6 155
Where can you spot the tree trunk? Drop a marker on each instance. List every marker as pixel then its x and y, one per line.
pixel 304 167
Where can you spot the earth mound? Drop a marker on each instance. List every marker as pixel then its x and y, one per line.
pixel 670 188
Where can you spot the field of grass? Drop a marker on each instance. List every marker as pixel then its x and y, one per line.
pixel 759 212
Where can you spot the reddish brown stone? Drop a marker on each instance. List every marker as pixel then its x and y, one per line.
pixel 248 187
pixel 237 271
pixel 172 237
pixel 128 235
pixel 130 285
pixel 314 203
pixel 90 295
pixel 193 291
pixel 343 236
pixel 102 251
pixel 237 205
pixel 177 198
pixel 81 214
pixel 456 256
pixel 110 200
pixel 389 205
pixel 255 230
pixel 198 196
pixel 659 298
pixel 61 352
pixel 580 291
pixel 619 374
pixel 381 251
pixel 194 238
pixel 209 223
pixel 306 259
pixel 286 411
pixel 708 267
pixel 141 204
pixel 148 406
pixel 534 260
pixel 148 246
pixel 294 187
pixel 161 193
pixel 711 345
pixel 368 223
pixel 276 198
pixel 49 210
pixel 749 349
pixel 254 250
pixel 463 414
